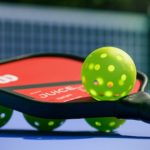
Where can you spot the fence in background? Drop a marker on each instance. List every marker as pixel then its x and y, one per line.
pixel 27 30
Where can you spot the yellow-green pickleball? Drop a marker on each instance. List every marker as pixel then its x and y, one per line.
pixel 5 115
pixel 43 124
pixel 108 73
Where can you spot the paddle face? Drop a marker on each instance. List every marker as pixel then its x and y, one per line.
pixel 52 79
pixel 46 79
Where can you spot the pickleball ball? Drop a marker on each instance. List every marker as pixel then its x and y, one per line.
pixel 5 115
pixel 43 124
pixel 105 124
pixel 108 73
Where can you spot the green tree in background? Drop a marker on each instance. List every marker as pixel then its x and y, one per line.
pixel 123 5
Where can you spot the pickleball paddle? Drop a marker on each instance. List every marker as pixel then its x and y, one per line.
pixel 49 86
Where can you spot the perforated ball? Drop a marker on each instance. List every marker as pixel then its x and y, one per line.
pixel 105 124
pixel 5 115
pixel 108 73
pixel 43 124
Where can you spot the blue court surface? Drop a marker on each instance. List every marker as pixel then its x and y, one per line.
pixel 75 134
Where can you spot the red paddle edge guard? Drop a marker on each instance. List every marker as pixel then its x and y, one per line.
pixel 78 108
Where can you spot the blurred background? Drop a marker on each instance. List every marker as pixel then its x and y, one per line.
pixel 75 27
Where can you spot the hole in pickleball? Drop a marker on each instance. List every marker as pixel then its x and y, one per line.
pixel 100 80
pixel 93 92
pixel 36 123
pixel 96 82
pixel 110 84
pixel 111 124
pixel 123 77
pixel 97 67
pixel 104 55
pixel 50 123
pixel 98 123
pixel 2 115
pixel 108 93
